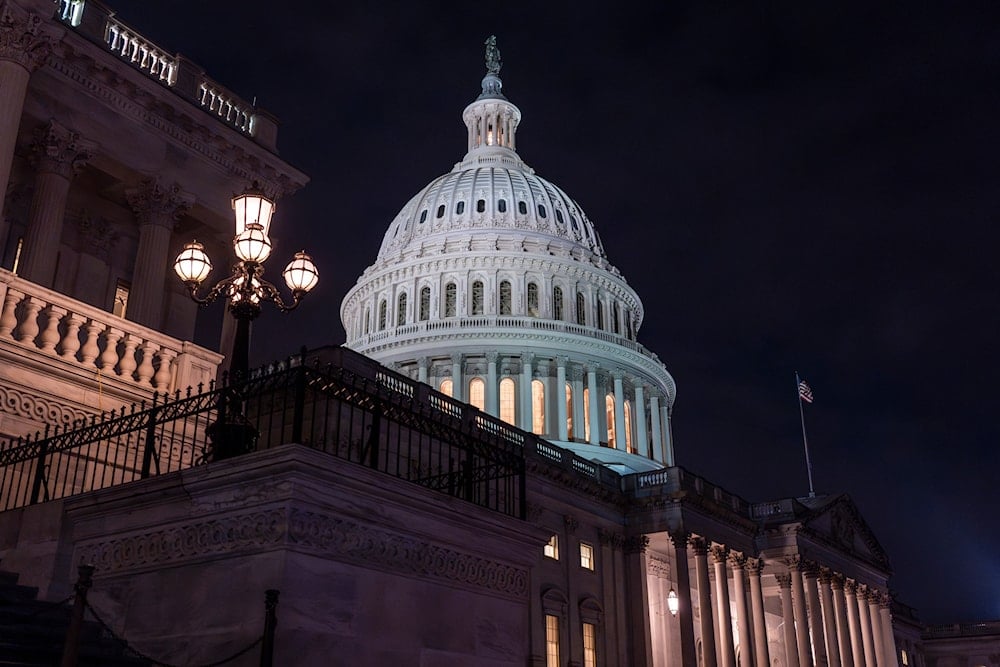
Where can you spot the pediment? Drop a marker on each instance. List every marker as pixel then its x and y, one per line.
pixel 838 523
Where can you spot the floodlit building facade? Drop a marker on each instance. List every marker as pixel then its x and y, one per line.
pixel 488 478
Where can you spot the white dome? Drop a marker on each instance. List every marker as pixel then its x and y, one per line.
pixel 493 279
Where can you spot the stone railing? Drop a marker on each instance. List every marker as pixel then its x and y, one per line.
pixel 39 323
pixel 678 480
pixel 962 630
pixel 98 24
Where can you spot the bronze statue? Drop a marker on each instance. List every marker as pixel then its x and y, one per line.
pixel 493 62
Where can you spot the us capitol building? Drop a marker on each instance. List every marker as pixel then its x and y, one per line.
pixel 483 475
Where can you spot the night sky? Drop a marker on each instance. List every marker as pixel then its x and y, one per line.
pixel 787 187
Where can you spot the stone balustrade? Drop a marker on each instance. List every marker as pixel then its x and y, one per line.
pixel 134 48
pixel 38 322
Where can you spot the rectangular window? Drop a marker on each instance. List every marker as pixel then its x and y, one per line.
pixel 551 641
pixel 589 645
pixel 552 548
pixel 121 299
pixel 586 556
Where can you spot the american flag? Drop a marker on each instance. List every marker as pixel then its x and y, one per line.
pixel 805 393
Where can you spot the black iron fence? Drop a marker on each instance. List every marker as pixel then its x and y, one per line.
pixel 347 406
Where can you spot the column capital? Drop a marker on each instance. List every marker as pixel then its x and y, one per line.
pixel 157 204
pixel 593 367
pixel 755 566
pixel 680 538
pixel 561 361
pixel 794 562
pixel 527 357
pixel 699 545
pixel 58 150
pixel 617 373
pixel 784 580
pixel 422 362
pixel 850 587
pixel 719 553
pixel 810 569
pixel 737 560
pixel 456 357
pixel 575 372
pixel 610 539
pixel 836 581
pixel 492 356
pixel 825 576
pixel 636 544
pixel 25 38
pixel 571 523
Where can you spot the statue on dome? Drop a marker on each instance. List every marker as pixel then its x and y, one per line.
pixel 493 62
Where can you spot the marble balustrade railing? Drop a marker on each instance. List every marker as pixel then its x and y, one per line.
pixel 45 322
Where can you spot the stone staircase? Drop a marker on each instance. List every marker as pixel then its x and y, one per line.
pixel 32 632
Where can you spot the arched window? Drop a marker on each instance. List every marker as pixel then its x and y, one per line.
pixel 615 326
pixel 368 319
pixel 401 310
pixel 628 429
pixel 477 297
pixel 477 393
pixel 447 387
pixel 382 311
pixel 533 299
pixel 508 413
pixel 586 415
pixel 502 205
pixel 423 216
pixel 425 303
pixel 522 208
pixel 557 303
pixel 569 411
pixel 450 300
pixel 505 298
pixel 537 407
pixel 600 315
pixel 581 309
pixel 480 205
pixel 460 208
pixel 609 411
pixel 440 212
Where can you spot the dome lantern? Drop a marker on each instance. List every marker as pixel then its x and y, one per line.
pixel 491 119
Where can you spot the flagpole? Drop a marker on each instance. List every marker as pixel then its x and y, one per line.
pixel 805 440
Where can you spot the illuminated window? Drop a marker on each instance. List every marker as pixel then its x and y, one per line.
pixel 586 415
pixel 581 309
pixel 533 299
pixel 425 303
pixel 447 387
pixel 537 407
pixel 505 298
pixel 551 549
pixel 382 309
pixel 450 300
pixel 121 294
pixel 609 411
pixel 569 411
pixel 615 325
pixel 401 310
pixel 17 254
pixel 551 641
pixel 477 393
pixel 557 303
pixel 628 428
pixel 600 315
pixel 586 556
pixel 507 410
pixel 477 297
pixel 589 645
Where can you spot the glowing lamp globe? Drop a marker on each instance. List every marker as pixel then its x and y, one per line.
pixel 673 604
pixel 253 208
pixel 252 245
pixel 301 275
pixel 193 265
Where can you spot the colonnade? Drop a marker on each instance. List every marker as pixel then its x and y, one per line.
pixel 564 381
pixel 826 619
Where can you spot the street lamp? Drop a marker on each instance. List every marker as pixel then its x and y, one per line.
pixel 672 602
pixel 246 288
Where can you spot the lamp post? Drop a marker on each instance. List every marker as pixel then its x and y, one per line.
pixel 245 289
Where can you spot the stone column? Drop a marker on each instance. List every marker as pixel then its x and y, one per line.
pixel 561 414
pixel 704 600
pixel 801 619
pixel 865 625
pixel 788 616
pixel 843 626
pixel 621 438
pixel 157 208
pixel 853 622
pixel 738 562
pixel 668 437
pixel 654 412
pixel 638 596
pixel 641 439
pixel 492 384
pixel 878 637
pixel 57 155
pixel 457 378
pixel 829 618
pixel 724 635
pixel 526 376
pixel 889 639
pixel 25 43
pixel 595 429
pixel 576 373
pixel 684 615
pixel 810 573
pixel 754 567
pixel 422 364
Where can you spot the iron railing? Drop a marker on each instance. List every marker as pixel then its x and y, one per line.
pixel 352 409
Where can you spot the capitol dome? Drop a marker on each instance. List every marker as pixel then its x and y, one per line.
pixel 492 285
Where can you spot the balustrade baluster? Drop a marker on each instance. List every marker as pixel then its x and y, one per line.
pixel 70 342
pixel 145 372
pixel 126 364
pixel 8 318
pixel 109 358
pixel 27 328
pixel 90 349
pixel 164 372
pixel 50 336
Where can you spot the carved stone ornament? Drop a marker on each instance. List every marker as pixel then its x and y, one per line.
pixel 784 580
pixel 719 553
pixel 58 150
pixel 38 408
pixel 636 544
pixel 100 235
pixel 610 539
pixel 157 204
pixel 571 523
pixel 25 38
